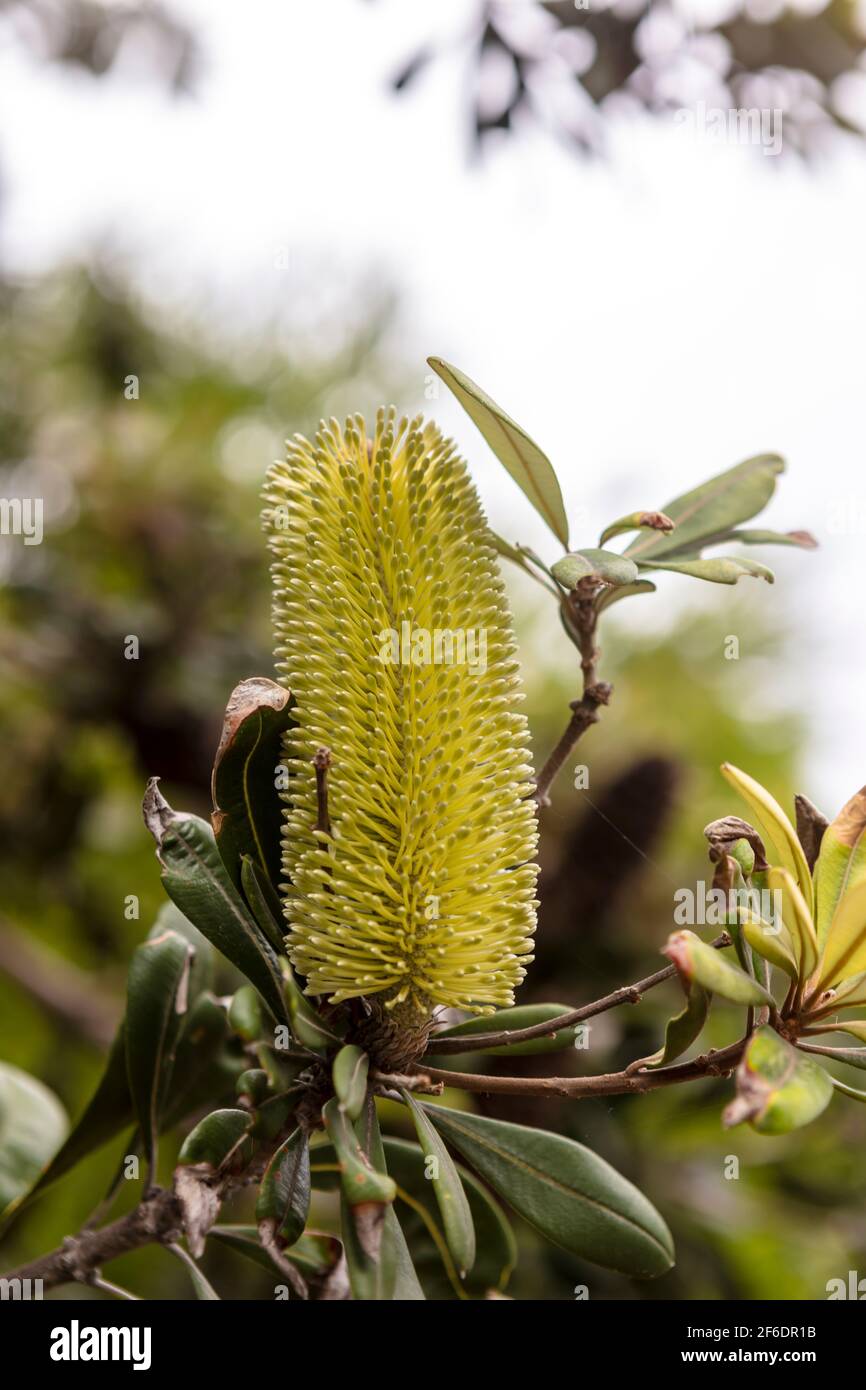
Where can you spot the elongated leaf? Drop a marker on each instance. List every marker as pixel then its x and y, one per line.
pixel 528 466
pixel 856 1030
pixel 360 1181
pixel 778 833
pixel 262 902
pixel 778 1088
pixel 398 1278
pixel 314 1254
pixel 106 1114
pixel 495 1246
pixel 284 1196
pixel 713 508
pixel 607 597
pixel 33 1125
pixel 695 960
pixel 565 1191
pixel 684 1027
pixel 607 565
pixel 850 994
pixel 772 941
pixel 349 1073
pixel 448 1189
pixel 803 540
pixel 512 1020
pixel 724 569
pixel 520 555
pixel 849 1090
pixel 844 953
pixel 247 814
pixel 217 1139
pixel 204 1290
pixel 797 918
pixel 196 880
pixel 308 1026
pixel 851 1056
pixel 841 863
pixel 156 1002
pixel 637 521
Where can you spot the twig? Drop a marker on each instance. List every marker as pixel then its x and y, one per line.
pixel 580 616
pixel 618 1083
pixel 627 994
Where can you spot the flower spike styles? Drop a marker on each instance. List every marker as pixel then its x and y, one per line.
pixel 395 638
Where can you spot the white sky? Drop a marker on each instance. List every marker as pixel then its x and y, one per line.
pixel 651 319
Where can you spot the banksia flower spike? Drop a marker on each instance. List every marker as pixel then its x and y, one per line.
pixel 394 635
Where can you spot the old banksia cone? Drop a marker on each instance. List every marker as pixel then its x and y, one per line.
pixel 394 635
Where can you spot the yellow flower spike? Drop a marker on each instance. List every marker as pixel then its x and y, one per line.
pixel 394 636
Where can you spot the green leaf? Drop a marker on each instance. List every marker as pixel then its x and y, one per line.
pixel 841 863
pixel 263 902
pixel 315 1254
pixel 512 1020
pixel 496 1248
pixel 713 508
pixel 284 1196
pixel 637 521
pixel 521 556
pixel 857 1030
pixel 803 540
pixel 848 1090
pixel 772 941
pixel 778 1088
pixel 196 880
pixel 447 1187
pixel 605 565
pixel 156 1001
pixel 797 919
pixel 608 597
pixel 218 1139
pixel 106 1114
pixel 204 1290
pixel 851 993
pixel 695 960
pixel 247 816
pixel 851 1056
pixel 398 1278
pixel 308 1027
pixel 844 954
pixel 360 1181
pixel 776 829
pixel 724 569
pixel 565 1191
pixel 349 1074
pixel 33 1125
pixel 528 466
pixel 684 1027
pixel 245 1015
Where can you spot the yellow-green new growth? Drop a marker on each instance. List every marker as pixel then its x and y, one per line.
pixel 395 637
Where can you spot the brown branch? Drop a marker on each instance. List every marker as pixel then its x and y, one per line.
pixel 580 616
pixel 627 994
pixel 156 1218
pixel 618 1083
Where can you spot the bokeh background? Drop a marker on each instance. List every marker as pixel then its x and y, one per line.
pixel 273 212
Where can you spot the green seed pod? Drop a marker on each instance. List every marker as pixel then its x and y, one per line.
pixel 395 638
